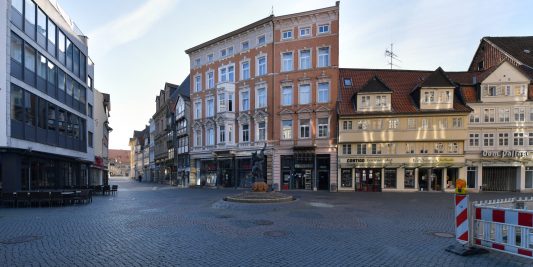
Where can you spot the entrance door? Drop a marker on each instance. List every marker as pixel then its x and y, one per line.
pixel 323 180
pixel 499 178
pixel 368 180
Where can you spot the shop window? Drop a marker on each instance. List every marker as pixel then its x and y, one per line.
pixel 390 178
pixel 529 177
pixel 451 177
pixel 409 178
pixel 346 177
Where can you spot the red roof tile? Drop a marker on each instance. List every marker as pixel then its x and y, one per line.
pixel 401 82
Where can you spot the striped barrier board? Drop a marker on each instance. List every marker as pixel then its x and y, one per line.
pixel 461 218
pixel 504 229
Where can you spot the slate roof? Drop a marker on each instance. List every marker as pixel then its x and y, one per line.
pixel 515 46
pixel 375 85
pixel 404 85
pixel 437 79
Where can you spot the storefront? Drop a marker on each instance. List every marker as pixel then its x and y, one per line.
pixel 41 171
pixel 208 173
pixel 226 171
pixel 505 170
pixel 298 171
pixel 372 174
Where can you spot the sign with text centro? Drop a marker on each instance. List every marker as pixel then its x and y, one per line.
pixel 504 154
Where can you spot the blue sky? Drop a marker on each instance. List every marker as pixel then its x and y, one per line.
pixel 138 45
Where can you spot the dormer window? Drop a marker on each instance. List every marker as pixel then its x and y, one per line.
pixel 365 101
pixel 381 101
pixel 347 82
pixel 429 97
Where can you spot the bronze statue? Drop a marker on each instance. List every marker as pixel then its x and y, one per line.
pixel 258 160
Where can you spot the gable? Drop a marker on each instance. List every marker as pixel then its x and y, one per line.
pixel 506 72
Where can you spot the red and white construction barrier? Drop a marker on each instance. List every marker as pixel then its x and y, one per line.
pixel 498 225
pixel 461 218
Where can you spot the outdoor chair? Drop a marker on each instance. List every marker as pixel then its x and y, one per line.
pixel 9 198
pixel 83 196
pixel 114 189
pixel 23 198
pixel 41 197
pixel 56 197
pixel 106 189
pixel 98 189
pixel 68 198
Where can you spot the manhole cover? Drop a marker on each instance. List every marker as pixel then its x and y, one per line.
pixel 275 233
pixel 225 216
pixel 445 235
pixel 263 222
pixel 20 239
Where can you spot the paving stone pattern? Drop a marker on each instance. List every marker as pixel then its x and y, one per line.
pixel 154 225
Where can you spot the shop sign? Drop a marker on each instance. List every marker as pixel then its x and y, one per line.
pixel 368 160
pixel 504 154
pixel 432 160
pixel 355 160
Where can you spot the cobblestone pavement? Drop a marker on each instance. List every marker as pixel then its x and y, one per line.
pixel 154 225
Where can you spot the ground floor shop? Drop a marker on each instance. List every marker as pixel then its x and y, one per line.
pixel 372 174
pixel 24 170
pixel 500 171
pixel 305 169
pixel 225 170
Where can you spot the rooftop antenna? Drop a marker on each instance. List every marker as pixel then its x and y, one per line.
pixel 272 11
pixel 392 56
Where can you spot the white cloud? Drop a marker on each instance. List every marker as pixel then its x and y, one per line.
pixel 129 27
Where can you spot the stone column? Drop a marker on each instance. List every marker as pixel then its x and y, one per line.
pixel 479 176
pixel 416 179
pixel 444 180
pixel 521 179
pixel 400 178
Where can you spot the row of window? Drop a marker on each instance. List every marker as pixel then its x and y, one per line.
pixel 412 123
pixel 226 73
pixel 225 134
pixel 504 115
pixel 229 51
pixel 503 139
pixel 225 100
pixel 437 96
pixel 410 148
pixel 381 101
pixel 35 112
pixel 38 71
pixel 28 17
pixel 504 90
pixel 322 128
pixel 305 32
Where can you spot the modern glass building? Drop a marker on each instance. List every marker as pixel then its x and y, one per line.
pixel 46 98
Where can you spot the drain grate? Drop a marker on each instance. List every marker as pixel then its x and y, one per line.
pixel 263 222
pixel 225 216
pixel 445 235
pixel 20 239
pixel 275 233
